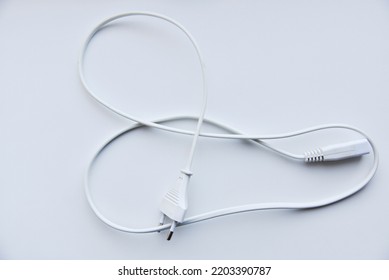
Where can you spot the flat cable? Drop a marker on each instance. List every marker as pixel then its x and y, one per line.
pixel 175 202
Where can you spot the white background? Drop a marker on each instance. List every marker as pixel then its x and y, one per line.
pixel 272 66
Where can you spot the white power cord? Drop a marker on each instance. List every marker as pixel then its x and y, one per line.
pixel 174 204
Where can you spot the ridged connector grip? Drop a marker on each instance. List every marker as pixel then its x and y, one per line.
pixel 175 201
pixel 314 156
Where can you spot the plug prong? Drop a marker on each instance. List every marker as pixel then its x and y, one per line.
pixel 171 231
pixel 161 220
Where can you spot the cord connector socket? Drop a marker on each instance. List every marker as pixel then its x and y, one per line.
pixel 339 151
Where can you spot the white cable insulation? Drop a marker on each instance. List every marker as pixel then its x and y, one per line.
pixel 81 69
pixel 232 134
pixel 241 208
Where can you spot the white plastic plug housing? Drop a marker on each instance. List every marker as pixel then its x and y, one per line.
pixel 175 201
pixel 346 150
pixel 339 151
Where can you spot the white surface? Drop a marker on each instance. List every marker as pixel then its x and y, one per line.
pixel 272 67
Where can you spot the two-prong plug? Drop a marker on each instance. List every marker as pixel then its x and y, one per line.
pixel 175 202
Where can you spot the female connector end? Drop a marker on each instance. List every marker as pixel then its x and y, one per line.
pixel 341 151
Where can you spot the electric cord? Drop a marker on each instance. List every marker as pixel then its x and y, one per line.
pixel 175 202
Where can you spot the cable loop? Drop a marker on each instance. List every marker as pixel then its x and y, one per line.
pixel 233 133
